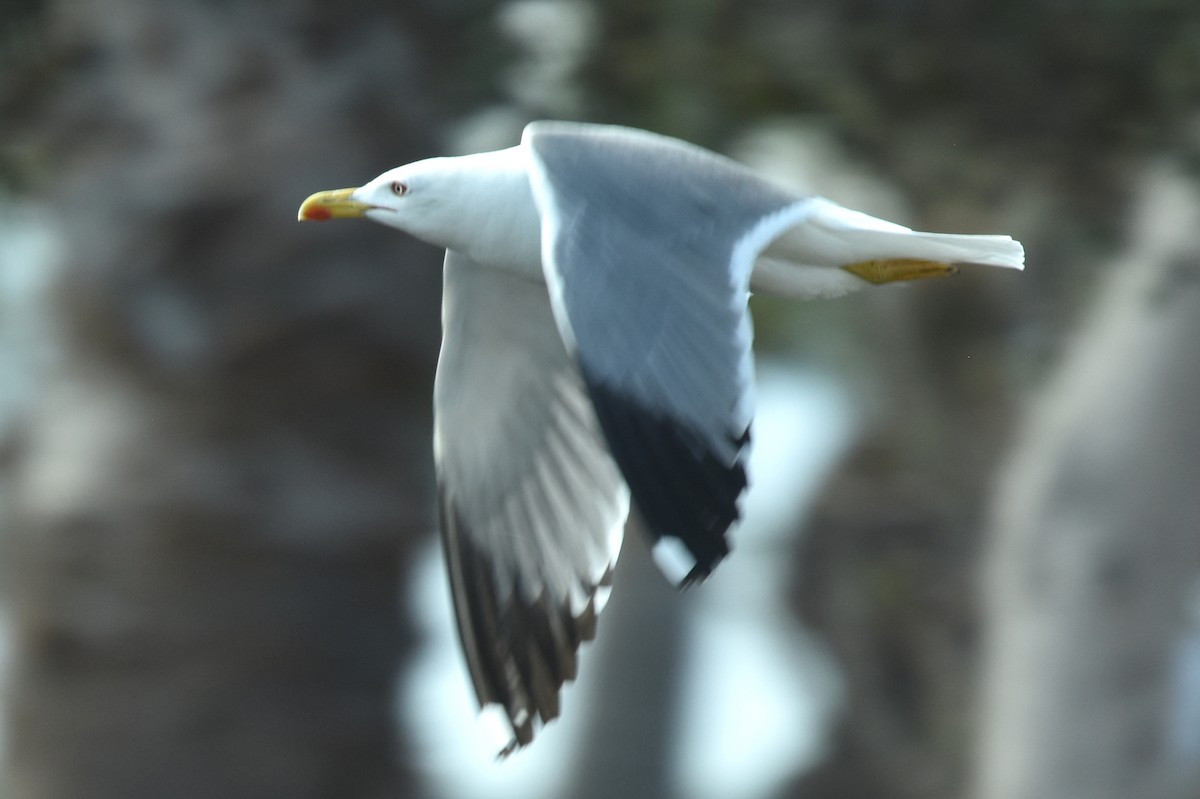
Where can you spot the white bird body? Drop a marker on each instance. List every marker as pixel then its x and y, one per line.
pixel 484 207
pixel 597 348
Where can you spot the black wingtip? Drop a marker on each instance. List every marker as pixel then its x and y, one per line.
pixel 681 488
pixel 519 652
pixel 699 574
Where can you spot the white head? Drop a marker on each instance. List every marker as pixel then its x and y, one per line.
pixel 418 198
pixel 477 204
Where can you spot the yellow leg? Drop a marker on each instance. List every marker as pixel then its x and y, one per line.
pixel 890 270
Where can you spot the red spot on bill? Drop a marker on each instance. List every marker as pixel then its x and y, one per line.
pixel 317 213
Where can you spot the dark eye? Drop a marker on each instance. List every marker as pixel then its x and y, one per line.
pixel 399 189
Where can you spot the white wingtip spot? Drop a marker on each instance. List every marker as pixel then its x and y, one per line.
pixel 577 600
pixel 673 558
pixel 600 598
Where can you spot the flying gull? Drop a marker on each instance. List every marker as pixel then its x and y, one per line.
pixel 596 348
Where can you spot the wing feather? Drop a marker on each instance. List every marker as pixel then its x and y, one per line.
pixel 648 244
pixel 532 503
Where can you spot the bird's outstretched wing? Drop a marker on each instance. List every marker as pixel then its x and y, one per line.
pixel 648 245
pixel 533 507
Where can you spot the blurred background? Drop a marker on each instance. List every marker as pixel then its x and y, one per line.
pixel 970 565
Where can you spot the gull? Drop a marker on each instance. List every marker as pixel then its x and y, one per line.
pixel 596 359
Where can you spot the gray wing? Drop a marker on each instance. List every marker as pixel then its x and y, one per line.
pixel 532 505
pixel 648 244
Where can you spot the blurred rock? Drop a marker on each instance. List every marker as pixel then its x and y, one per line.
pixel 1095 554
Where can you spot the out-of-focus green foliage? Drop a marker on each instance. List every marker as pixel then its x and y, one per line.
pixel 15 12
pixel 20 42
pixel 1071 83
pixel 35 57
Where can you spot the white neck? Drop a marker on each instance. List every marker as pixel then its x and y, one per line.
pixel 490 210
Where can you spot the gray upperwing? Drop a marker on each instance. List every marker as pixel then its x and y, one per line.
pixel 648 244
pixel 532 506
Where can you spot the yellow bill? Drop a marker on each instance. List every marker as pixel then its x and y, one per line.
pixel 331 205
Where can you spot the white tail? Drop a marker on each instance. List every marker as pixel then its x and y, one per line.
pixel 804 261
